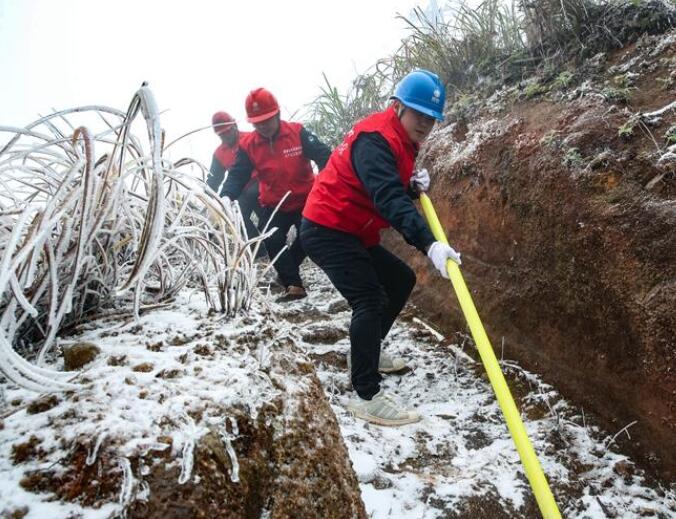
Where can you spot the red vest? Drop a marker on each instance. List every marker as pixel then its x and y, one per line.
pixel 226 155
pixel 339 200
pixel 281 166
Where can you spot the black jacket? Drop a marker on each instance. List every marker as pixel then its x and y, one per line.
pixel 376 167
pixel 216 174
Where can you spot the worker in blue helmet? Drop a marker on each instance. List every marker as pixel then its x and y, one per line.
pixel 367 185
pixel 423 92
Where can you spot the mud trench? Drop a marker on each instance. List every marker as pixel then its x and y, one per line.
pixel 459 461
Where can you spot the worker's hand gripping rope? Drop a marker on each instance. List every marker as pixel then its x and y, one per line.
pixel 440 253
pixel 420 181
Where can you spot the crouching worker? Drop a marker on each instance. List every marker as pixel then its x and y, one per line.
pixel 367 186
pixel 225 127
pixel 280 152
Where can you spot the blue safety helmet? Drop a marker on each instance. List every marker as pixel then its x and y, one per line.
pixel 423 91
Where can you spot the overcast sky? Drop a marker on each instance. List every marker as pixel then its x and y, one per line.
pixel 198 56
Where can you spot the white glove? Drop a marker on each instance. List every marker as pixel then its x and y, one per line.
pixel 420 181
pixel 440 253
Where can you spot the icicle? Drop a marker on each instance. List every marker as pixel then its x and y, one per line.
pixel 263 356
pixel 241 293
pixel 6 269
pixel 154 218
pixel 158 447
pixel 661 111
pixel 127 482
pixel 13 376
pixel 187 461
pixel 235 427
pixel 225 436
pixel 143 492
pixel 93 453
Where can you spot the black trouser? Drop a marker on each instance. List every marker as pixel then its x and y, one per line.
pixel 376 285
pixel 288 263
pixel 248 203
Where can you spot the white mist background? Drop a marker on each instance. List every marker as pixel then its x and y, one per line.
pixel 198 56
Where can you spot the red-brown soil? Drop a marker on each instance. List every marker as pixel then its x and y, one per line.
pixel 569 250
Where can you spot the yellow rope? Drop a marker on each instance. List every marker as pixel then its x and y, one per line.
pixel 531 465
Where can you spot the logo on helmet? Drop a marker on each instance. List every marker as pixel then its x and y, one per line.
pixel 255 106
pixel 436 95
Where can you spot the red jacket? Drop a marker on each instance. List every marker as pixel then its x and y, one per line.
pixel 222 161
pixel 226 155
pixel 339 200
pixel 281 166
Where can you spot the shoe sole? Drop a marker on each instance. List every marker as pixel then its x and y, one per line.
pixel 386 371
pixel 382 421
pixel 285 299
pixel 393 370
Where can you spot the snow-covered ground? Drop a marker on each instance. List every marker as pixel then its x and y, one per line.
pixel 182 368
pixel 460 458
pixel 158 385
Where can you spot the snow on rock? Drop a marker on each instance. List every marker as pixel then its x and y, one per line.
pixel 173 400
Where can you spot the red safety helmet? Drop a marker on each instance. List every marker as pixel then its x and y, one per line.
pixel 222 122
pixel 260 105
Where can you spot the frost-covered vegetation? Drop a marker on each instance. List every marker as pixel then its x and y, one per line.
pixel 106 238
pixel 482 48
pixel 94 217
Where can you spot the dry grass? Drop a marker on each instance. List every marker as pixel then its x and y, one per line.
pixel 478 48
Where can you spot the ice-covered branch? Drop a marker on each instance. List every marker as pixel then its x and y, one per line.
pixel 87 215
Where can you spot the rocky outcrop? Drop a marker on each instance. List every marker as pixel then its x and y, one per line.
pixel 288 468
pixel 226 419
pixel 567 225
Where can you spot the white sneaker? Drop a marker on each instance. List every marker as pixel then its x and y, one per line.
pixel 389 364
pixel 382 409
pixel 386 364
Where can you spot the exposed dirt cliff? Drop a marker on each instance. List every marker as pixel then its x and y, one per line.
pixel 561 195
